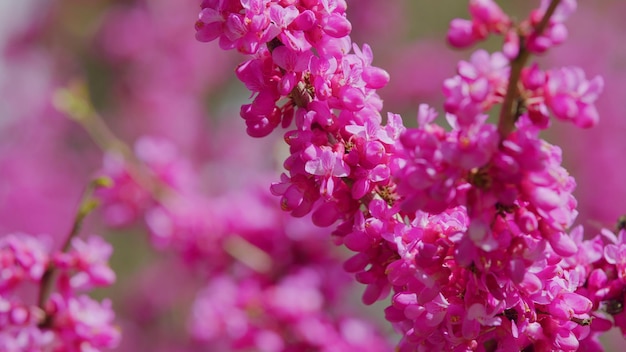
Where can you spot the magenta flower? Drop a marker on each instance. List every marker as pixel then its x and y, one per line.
pixel 571 96
pixel 487 18
pixel 293 63
pixel 556 32
pixel 461 33
pixel 25 337
pixel 328 164
pixel 476 318
pixel 615 254
pixel 131 195
pixel 210 25
pixel 22 258
pixel 89 258
pixel 82 324
pixel 478 85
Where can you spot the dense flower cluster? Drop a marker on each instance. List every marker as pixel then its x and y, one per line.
pixel 339 153
pixel 468 226
pixel 66 320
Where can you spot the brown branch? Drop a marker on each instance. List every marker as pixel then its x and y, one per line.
pixel 508 115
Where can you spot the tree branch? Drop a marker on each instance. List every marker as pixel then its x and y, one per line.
pixel 508 115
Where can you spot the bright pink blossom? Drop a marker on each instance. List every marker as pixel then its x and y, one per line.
pixel 571 96
pixel 22 258
pixel 90 261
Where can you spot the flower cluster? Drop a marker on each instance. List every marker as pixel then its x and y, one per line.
pixel 468 226
pixel 499 276
pixel 66 320
pixel 602 261
pixel 340 153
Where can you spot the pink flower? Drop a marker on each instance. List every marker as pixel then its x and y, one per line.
pixel 571 96
pixel 476 318
pixel 487 18
pixel 22 258
pixel 478 85
pixel 82 324
pixel 291 35
pixel 90 259
pixel 293 63
pixel 330 165
pixel 461 33
pixel 132 194
pixel 556 32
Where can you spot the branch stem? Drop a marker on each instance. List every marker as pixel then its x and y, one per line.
pixel 87 204
pixel 508 115
pixel 74 101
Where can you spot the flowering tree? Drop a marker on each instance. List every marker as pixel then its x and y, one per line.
pixel 465 229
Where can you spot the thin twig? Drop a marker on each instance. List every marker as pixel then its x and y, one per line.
pixel 74 101
pixel 86 206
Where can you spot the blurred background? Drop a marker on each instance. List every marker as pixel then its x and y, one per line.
pixel 149 79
